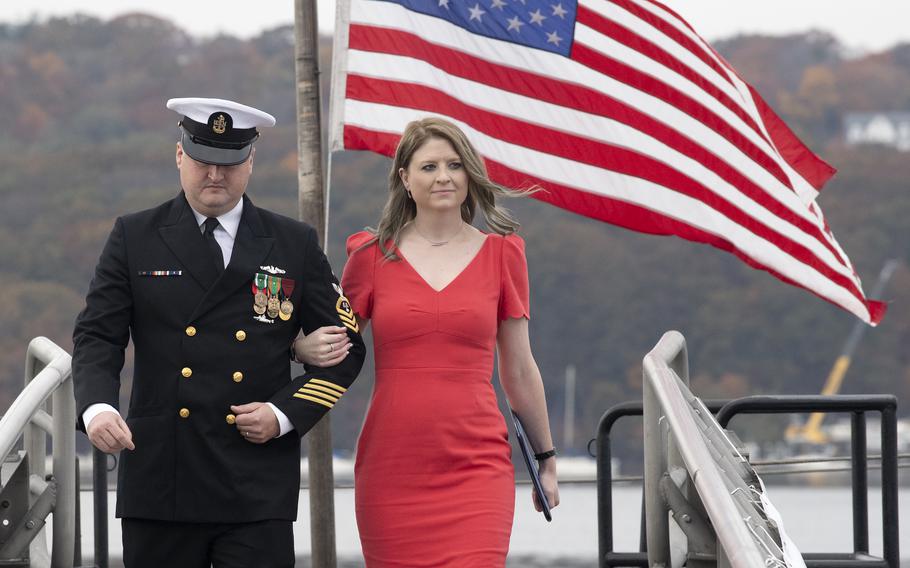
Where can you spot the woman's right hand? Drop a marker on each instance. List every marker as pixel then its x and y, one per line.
pixel 550 485
pixel 324 347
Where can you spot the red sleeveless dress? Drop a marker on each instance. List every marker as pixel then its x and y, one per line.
pixel 434 484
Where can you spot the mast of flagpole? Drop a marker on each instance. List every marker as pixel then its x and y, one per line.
pixel 568 424
pixel 311 209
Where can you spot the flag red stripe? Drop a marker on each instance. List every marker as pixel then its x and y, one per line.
pixel 460 64
pixel 815 170
pixel 646 47
pixel 585 150
pixel 614 211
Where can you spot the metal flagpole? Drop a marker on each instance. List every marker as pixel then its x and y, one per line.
pixel 311 209
pixel 568 417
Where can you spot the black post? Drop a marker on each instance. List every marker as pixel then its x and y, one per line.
pixel 604 497
pixel 890 532
pixel 860 483
pixel 643 529
pixel 99 487
pixel 77 544
pixel 605 478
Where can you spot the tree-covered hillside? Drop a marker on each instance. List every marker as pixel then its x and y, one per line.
pixel 86 137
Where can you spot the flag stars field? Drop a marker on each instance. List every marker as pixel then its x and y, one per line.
pixel 540 24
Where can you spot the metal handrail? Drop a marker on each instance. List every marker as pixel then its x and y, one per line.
pixel 48 375
pixel 664 367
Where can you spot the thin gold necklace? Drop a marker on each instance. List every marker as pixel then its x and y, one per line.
pixel 438 243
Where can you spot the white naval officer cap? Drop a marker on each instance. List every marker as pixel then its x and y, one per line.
pixel 218 131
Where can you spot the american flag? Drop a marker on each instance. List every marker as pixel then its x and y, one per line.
pixel 617 108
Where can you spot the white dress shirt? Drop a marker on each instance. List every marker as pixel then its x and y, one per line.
pixel 225 234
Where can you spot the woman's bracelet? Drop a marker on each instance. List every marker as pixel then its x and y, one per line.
pixel 545 455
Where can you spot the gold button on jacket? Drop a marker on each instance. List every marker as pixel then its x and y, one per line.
pixel 184 413
pixel 230 418
pixel 240 335
pixel 191 331
pixel 186 372
pixel 238 376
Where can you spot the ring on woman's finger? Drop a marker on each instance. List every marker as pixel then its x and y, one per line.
pixel 331 347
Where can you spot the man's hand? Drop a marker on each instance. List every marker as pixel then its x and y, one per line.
pixel 256 422
pixel 109 433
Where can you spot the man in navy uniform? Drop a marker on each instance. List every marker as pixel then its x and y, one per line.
pixel 213 290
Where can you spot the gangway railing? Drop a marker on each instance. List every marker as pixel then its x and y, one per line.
pixel 856 405
pixel 679 454
pixel 22 539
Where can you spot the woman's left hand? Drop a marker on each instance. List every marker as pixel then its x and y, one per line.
pixel 324 347
pixel 550 485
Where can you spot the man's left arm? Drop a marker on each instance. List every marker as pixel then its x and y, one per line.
pixel 309 396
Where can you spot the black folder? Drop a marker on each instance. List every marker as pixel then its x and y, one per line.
pixel 531 462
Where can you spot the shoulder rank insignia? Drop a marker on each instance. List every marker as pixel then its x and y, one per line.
pixel 345 313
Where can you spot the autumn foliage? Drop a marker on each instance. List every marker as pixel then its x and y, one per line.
pixel 86 137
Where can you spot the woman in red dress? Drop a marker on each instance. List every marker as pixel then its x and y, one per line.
pixel 434 484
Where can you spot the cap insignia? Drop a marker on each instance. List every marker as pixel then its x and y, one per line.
pixel 219 125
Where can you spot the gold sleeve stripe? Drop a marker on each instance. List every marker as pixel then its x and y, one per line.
pixel 318 394
pixel 355 328
pixel 328 384
pixel 332 392
pixel 311 399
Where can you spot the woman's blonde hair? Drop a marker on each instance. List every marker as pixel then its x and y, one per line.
pixel 399 209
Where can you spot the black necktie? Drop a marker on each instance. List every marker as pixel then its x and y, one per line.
pixel 211 224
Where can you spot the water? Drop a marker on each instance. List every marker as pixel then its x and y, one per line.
pixel 818 520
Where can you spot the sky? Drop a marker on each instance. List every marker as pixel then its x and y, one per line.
pixel 879 24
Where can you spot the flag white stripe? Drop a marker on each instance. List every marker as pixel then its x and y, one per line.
pixel 576 123
pixel 629 189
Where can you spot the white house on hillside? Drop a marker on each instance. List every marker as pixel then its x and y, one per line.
pixel 887 128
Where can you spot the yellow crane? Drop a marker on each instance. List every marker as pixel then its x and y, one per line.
pixel 811 431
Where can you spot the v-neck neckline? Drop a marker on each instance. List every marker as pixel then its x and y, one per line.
pixel 455 278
